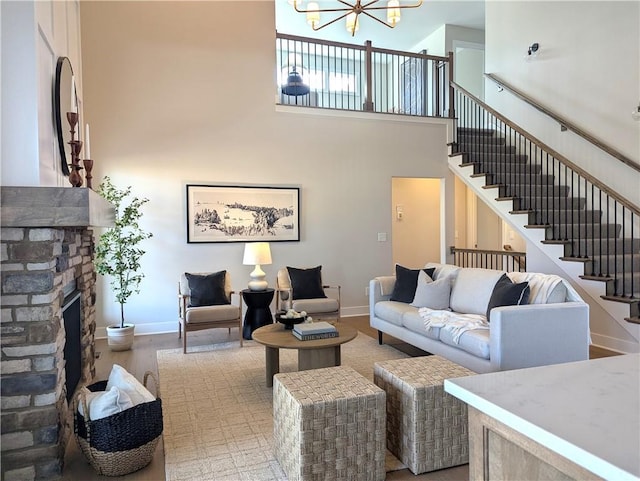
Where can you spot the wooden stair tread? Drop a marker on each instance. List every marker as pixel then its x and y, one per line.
pixel 483 174
pixel 492 186
pixel 624 300
pixel 634 320
pixel 597 278
pixel 537 226
pixel 575 259
pixel 501 199
pixel 556 241
pixel 526 211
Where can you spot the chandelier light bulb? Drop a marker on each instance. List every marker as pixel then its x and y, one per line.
pixel 393 12
pixel 313 18
pixel 353 23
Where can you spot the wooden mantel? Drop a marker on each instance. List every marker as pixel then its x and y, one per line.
pixel 54 207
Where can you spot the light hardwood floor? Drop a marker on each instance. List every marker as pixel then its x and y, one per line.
pixel 142 358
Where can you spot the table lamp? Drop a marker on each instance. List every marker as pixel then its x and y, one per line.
pixel 257 253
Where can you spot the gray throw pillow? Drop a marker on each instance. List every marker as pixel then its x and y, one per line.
pixel 434 295
pixel 207 289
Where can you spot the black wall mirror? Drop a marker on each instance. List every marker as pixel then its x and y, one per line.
pixel 64 100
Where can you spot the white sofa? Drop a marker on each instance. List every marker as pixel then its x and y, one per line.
pixel 553 328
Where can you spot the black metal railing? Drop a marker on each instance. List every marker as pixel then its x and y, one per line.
pixel 595 224
pixel 509 261
pixel 365 78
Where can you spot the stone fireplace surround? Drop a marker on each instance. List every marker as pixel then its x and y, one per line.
pixel 46 245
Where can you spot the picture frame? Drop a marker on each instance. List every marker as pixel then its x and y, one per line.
pixel 237 213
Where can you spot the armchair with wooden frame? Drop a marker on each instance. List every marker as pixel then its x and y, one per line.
pixel 219 315
pixel 303 290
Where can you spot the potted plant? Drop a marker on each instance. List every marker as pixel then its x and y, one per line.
pixel 118 255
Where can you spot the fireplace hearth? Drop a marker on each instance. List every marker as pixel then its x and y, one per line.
pixel 47 332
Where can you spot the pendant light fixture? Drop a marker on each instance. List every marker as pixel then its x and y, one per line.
pixel 352 11
pixel 295 85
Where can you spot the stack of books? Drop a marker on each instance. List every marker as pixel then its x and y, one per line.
pixel 308 331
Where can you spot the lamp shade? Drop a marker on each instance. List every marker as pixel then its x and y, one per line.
pixel 256 253
pixel 295 85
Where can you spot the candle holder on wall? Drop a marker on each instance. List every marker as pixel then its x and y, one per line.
pixel 75 179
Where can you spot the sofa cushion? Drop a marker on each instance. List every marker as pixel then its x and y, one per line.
pixel 434 295
pixel 207 289
pixel 443 270
pixel 474 342
pixel 392 311
pixel 406 282
pixel 412 321
pixel 507 293
pixel 472 290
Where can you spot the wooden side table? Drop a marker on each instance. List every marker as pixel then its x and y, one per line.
pixel 258 313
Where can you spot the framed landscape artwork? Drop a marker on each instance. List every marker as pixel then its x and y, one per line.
pixel 220 213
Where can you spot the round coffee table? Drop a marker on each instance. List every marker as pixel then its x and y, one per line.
pixel 311 354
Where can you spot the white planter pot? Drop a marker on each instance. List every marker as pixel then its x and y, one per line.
pixel 120 338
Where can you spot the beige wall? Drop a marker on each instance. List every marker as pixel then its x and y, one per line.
pixel 175 98
pixel 416 235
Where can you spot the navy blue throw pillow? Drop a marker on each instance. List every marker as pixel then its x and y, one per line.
pixel 306 283
pixel 404 289
pixel 506 293
pixel 208 289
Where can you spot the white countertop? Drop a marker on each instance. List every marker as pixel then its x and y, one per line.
pixel 588 411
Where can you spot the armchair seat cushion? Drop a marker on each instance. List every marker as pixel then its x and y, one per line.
pixel 227 312
pixel 316 305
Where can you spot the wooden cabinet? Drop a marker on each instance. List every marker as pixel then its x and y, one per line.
pixel 497 452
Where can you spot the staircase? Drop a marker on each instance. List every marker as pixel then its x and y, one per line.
pixel 590 231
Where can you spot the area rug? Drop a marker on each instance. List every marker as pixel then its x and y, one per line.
pixel 218 411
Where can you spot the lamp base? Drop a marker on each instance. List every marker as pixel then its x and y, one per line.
pixel 258 285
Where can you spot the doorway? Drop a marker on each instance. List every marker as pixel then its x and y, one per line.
pixel 416 216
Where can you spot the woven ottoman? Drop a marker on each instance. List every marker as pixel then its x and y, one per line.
pixel 329 424
pixel 426 427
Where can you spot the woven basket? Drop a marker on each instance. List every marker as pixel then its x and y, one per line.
pixel 124 442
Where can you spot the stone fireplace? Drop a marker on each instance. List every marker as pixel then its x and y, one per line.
pixel 46 253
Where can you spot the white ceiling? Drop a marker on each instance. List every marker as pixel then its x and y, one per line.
pixel 416 23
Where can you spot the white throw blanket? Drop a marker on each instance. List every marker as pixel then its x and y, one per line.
pixel 453 322
pixel 541 285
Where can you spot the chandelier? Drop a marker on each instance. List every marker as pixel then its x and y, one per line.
pixel 351 11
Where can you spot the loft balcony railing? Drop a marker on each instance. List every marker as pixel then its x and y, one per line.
pixel 506 260
pixel 364 78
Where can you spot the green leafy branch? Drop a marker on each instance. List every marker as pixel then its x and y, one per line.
pixel 118 253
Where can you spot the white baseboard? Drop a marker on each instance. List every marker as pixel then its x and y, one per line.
pixel 145 329
pixel 614 344
pixel 167 327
